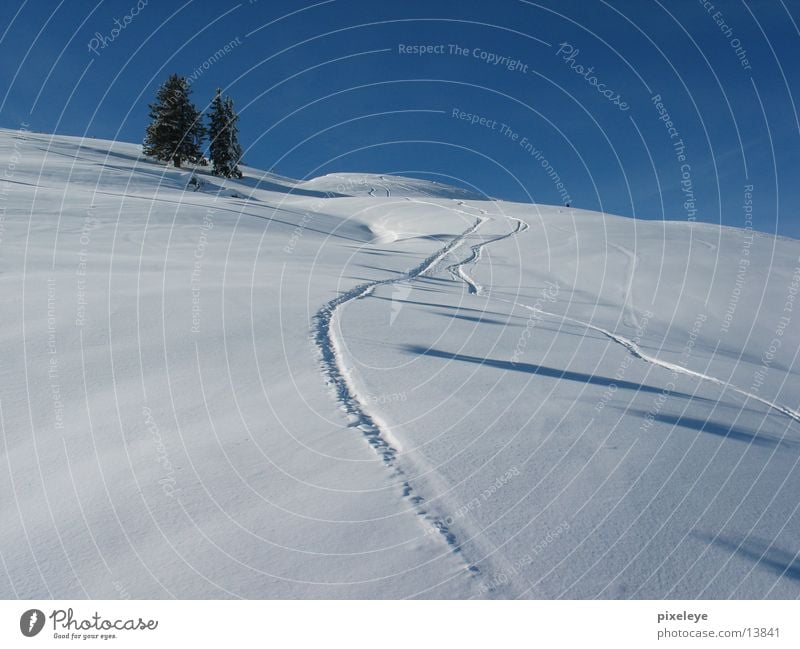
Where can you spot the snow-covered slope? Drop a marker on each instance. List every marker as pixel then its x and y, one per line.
pixel 349 184
pixel 371 386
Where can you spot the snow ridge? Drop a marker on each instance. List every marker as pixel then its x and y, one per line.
pixel 335 375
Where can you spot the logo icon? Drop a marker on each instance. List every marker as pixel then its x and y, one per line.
pixel 31 622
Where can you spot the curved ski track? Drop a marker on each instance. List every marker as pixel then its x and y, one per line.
pixel 335 375
pixel 457 270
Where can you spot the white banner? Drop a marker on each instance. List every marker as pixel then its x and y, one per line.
pixel 386 625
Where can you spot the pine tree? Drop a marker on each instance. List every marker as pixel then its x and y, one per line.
pixel 176 131
pixel 224 148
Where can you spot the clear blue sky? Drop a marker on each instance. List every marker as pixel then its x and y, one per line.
pixel 326 88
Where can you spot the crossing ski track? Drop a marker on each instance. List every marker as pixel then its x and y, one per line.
pixel 458 272
pixel 637 352
pixel 336 376
pixel 376 186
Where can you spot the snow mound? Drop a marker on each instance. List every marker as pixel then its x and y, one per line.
pixel 352 184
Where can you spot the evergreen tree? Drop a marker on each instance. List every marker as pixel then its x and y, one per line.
pixel 224 148
pixel 176 131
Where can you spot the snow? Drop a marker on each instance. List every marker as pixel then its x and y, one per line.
pixel 350 184
pixel 368 386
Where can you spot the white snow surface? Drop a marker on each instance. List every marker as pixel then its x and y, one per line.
pixel 366 386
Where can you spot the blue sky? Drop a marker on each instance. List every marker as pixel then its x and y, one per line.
pixel 325 87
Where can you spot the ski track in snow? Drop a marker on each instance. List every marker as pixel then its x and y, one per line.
pixel 366 423
pixel 336 374
pixel 377 186
pixel 712 247
pixel 629 345
pixel 457 270
pixel 637 352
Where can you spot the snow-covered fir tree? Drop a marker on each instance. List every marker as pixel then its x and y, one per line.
pixel 224 149
pixel 176 131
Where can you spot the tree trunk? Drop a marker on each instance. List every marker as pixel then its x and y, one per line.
pixel 177 162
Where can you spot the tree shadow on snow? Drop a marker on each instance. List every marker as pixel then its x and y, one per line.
pixel 479 319
pixel 541 370
pixel 761 552
pixel 737 433
pixel 456 307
